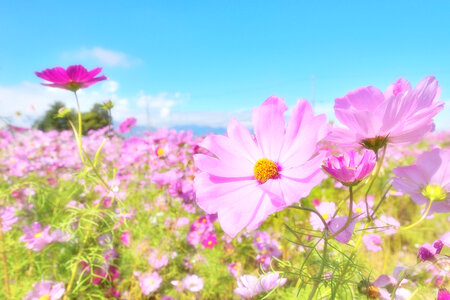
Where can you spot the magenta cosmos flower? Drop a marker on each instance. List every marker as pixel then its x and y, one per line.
pixel 127 124
pixel 249 178
pixel 427 180
pixel 350 168
pixel 399 116
pixel 72 79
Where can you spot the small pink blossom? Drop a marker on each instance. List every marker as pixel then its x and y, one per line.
pixel 127 124
pixel 46 290
pixel 37 238
pixel 126 238
pixel 149 282
pixel 192 283
pixel 372 242
pixel 350 168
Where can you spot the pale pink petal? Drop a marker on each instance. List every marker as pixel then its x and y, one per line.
pixel 269 135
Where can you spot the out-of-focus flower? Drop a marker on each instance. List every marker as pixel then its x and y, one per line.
pixel 399 116
pixel 443 294
pixel 36 237
pixel 427 180
pixel 350 168
pixel 72 79
pixel 7 217
pixel 271 171
pixel 157 260
pixel 372 242
pixel 192 283
pixel 127 124
pixel 427 251
pixel 149 282
pixel 46 290
pixel 210 241
pixel 125 238
pixel 250 286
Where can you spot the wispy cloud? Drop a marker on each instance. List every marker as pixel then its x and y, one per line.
pixel 103 56
pixel 158 110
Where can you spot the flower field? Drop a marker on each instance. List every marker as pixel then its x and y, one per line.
pixel 290 210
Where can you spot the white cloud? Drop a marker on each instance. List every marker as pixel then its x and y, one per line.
pixel 103 56
pixel 32 100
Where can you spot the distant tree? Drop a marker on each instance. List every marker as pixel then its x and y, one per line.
pixel 96 118
pixel 49 122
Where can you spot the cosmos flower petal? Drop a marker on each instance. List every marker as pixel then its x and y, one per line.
pixel 218 192
pixel 242 137
pixel 236 217
pixel 226 149
pixel 269 135
pixel 233 168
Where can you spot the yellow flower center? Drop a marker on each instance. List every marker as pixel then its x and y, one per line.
pixel 374 293
pixel 45 297
pixel 358 210
pixel 325 216
pixel 38 235
pixel 151 281
pixel 209 243
pixel 160 152
pixel 265 169
pixel 434 192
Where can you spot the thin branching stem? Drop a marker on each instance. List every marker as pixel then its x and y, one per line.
pixel 350 214
pixel 322 266
pixel 375 175
pixel 313 211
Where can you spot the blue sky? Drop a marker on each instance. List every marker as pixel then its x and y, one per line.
pixel 202 62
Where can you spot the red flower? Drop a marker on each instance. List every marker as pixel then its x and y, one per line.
pixel 72 79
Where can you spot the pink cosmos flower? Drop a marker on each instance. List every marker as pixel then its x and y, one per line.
pixel 427 180
pixel 427 251
pixel 372 242
pixel 192 283
pixel 37 238
pixel 249 177
pixel 350 168
pixel 72 79
pixel 249 286
pixel 127 124
pixel 157 260
pixel 7 217
pixel 126 238
pixel 399 116
pixel 210 241
pixel 46 290
pixel 149 282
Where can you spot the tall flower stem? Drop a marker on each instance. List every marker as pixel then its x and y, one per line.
pixel 322 266
pixel 374 177
pixel 313 211
pixel 4 260
pixel 350 214
pixel 79 134
pixel 420 220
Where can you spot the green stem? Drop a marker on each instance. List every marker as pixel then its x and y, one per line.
pixel 322 266
pixel 420 220
pixel 350 214
pixel 375 175
pixel 313 211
